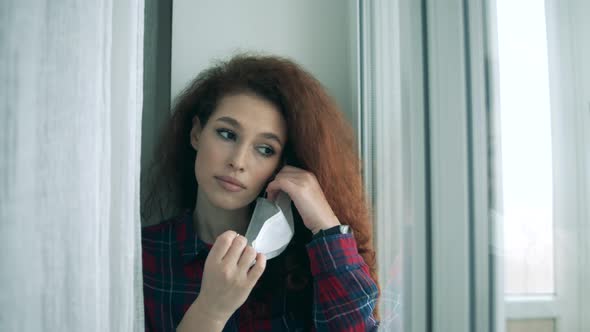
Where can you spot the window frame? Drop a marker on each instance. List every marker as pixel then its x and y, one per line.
pixel 451 158
pixel 570 193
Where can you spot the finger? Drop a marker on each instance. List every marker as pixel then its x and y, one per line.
pixel 248 256
pixel 280 184
pixel 301 178
pixel 291 169
pixel 294 173
pixel 235 250
pixel 256 271
pixel 222 244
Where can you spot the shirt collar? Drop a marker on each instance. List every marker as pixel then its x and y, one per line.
pixel 191 245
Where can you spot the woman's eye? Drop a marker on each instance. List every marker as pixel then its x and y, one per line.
pixel 226 134
pixel 266 151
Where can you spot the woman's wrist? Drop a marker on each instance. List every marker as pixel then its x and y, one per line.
pixel 198 317
pixel 324 226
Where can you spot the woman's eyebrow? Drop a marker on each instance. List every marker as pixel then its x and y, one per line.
pixel 231 121
pixel 273 137
pixel 234 123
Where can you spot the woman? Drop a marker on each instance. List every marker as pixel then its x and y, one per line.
pixel 250 127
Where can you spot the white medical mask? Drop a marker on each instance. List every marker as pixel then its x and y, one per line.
pixel 271 227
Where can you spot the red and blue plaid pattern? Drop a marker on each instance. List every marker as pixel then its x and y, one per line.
pixel 344 294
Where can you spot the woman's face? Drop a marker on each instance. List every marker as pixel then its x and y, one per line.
pixel 242 142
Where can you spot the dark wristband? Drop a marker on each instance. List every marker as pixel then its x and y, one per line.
pixel 340 229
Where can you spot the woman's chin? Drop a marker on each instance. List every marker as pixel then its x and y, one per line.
pixel 227 202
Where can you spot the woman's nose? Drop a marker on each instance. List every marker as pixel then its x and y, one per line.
pixel 237 160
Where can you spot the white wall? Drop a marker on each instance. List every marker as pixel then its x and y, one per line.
pixel 316 34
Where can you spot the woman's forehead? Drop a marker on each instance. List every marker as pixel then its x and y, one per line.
pixel 250 113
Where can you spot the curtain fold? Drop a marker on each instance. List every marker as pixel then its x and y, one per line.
pixel 383 148
pixel 70 127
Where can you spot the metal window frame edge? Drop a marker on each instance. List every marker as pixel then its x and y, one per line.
pixel 568 210
pixel 452 159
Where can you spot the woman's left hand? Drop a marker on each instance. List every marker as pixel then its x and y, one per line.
pixel 305 192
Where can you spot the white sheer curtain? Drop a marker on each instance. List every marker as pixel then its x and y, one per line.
pixel 387 177
pixel 70 121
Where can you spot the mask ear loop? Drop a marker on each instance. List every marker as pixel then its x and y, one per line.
pixel 265 195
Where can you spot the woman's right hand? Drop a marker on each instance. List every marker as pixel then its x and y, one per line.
pixel 229 276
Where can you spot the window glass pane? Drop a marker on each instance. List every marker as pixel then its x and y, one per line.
pixel 530 325
pixel 526 147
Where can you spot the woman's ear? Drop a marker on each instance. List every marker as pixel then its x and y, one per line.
pixel 195 133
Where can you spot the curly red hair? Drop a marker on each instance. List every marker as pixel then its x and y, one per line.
pixel 320 140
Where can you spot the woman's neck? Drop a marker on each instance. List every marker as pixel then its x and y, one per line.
pixel 209 221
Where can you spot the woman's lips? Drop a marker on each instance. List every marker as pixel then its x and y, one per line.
pixel 228 185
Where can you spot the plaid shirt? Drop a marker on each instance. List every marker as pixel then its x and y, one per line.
pixel 344 294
